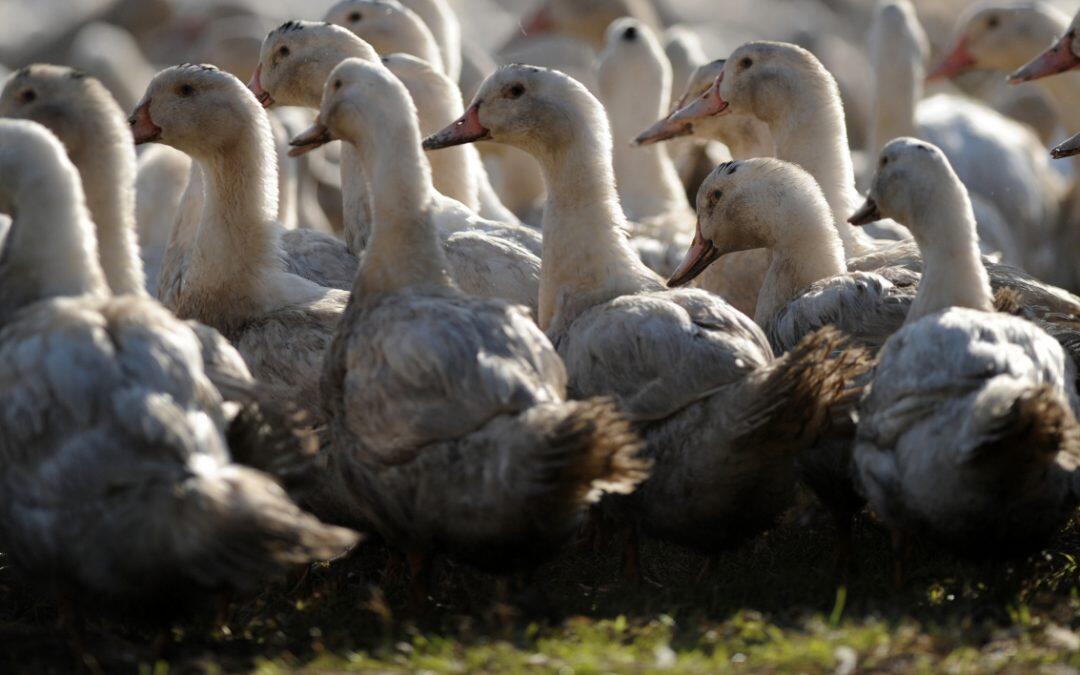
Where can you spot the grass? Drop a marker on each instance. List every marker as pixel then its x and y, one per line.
pixel 774 605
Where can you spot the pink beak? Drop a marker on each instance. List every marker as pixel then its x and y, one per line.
pixel 143 129
pixel 707 105
pixel 664 130
pixel 1057 59
pixel 702 253
pixel 255 85
pixel 466 130
pixel 959 61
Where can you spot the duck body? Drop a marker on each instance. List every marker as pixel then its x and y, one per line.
pixel 959 438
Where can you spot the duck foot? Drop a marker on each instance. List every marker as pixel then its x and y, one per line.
pixel 72 624
pixel 632 568
pixel 394 571
pixel 419 588
pixel 845 524
pixel 901 546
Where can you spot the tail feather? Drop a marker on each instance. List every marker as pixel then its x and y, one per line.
pixel 1039 425
pixel 805 388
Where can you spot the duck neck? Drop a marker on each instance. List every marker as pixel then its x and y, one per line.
pixel 745 137
pixel 810 132
pixel 236 242
pixel 806 251
pixel 953 273
pixel 108 176
pixel 649 185
pixel 404 249
pixel 898 88
pixel 50 250
pixel 356 205
pixel 585 250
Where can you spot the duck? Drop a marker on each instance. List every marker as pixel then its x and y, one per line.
pixel 754 65
pixel 1061 57
pixel 79 110
pixel 968 435
pixel 396 31
pixel 695 375
pixel 1022 188
pixel 652 194
pixel 161 178
pixel 233 277
pixel 90 123
pixel 787 88
pixel 120 491
pixel 440 18
pixel 389 27
pixel 766 203
pixel 587 21
pixel 483 261
pixel 460 175
pixel 1004 37
pixel 426 381
pixel 634 79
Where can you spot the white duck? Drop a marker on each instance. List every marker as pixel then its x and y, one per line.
pixel 1002 162
pixel 91 125
pixel 483 262
pixel 1004 37
pixel 775 205
pixel 459 175
pixel 118 485
pixel 693 372
pixel 634 77
pixel 426 382
pixel 787 87
pixel 392 29
pixel 969 433
pixel 389 27
pixel 234 278
pixel 443 22
pixel 160 182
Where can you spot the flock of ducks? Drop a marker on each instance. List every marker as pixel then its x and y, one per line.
pixel 199 395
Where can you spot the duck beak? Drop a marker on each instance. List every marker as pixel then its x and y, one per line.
pixel 1057 59
pixel 255 85
pixel 1067 149
pixel 959 61
pixel 702 253
pixel 707 105
pixel 316 136
pixel 664 130
pixel 867 213
pixel 143 129
pixel 466 130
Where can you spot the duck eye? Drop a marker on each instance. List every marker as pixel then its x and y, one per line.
pixel 283 51
pixel 337 85
pixel 186 90
pixel 746 62
pixel 993 22
pixel 28 96
pixel 516 91
pixel 716 195
pixel 884 161
pixel 355 17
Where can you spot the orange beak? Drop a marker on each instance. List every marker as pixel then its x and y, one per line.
pixel 143 129
pixel 959 61
pixel 702 253
pixel 466 130
pixel 1057 59
pixel 707 105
